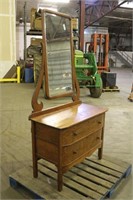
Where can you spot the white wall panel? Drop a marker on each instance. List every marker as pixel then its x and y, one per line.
pixel 7 36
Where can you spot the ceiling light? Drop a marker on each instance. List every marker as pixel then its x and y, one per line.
pixel 127 5
pixel 57 1
pixel 48 8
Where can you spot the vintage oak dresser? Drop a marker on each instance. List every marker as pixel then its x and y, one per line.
pixel 66 134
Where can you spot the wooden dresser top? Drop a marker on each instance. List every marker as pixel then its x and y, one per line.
pixel 68 117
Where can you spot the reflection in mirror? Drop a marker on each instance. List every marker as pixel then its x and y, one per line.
pixel 58 49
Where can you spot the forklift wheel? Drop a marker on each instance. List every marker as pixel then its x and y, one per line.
pixel 95 92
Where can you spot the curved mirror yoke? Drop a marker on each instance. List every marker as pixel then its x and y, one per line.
pixel 58 71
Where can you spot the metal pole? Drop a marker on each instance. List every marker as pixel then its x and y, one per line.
pixel 81 23
pixel 25 43
pixel 18 74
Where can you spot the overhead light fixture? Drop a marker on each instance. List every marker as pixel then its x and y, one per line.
pixel 48 8
pixel 126 5
pixel 44 6
pixel 57 1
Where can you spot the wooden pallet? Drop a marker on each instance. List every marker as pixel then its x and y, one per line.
pixel 91 179
pixel 109 89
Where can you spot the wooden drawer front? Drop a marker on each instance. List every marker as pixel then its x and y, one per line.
pixel 74 151
pixel 46 133
pixel 82 130
pixel 47 151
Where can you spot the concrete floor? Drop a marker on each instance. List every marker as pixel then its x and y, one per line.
pixel 16 136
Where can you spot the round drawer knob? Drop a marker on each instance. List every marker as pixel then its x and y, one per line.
pixel 75 133
pixel 99 122
pixel 74 152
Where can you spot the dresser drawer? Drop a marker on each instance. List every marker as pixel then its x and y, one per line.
pixel 46 133
pixel 76 150
pixel 47 151
pixel 82 130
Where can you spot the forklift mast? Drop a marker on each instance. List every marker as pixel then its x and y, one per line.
pixel 100 46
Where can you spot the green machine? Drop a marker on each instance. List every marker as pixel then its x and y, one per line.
pixel 87 73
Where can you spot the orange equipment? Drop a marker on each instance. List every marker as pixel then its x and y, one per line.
pixel 101 49
pixel 100 46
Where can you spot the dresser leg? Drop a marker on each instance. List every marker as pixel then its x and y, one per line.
pixel 35 167
pixel 100 153
pixel 100 150
pixel 34 157
pixel 60 181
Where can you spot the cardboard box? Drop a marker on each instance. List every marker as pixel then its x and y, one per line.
pixel 32 18
pixel 38 24
pixel 36 41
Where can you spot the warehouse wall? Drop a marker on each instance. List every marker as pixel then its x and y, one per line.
pixel 121 42
pixel 7 36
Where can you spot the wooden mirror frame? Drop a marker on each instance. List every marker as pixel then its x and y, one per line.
pixel 44 69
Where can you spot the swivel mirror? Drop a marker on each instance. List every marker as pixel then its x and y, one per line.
pixel 57 55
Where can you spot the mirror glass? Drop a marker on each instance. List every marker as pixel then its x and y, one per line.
pixel 58 53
